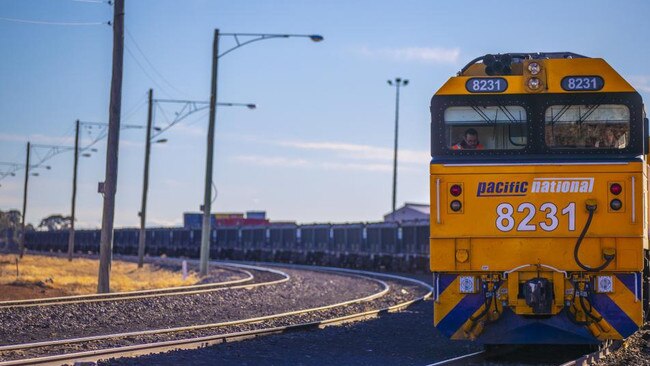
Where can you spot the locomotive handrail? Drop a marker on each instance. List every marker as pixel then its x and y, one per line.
pixel 506 273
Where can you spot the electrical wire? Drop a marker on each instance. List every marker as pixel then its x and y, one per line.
pixel 162 89
pixel 42 22
pixel 149 62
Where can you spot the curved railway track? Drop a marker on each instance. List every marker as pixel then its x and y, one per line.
pixel 141 294
pixel 189 337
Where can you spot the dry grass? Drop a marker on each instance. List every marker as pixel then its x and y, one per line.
pixel 80 275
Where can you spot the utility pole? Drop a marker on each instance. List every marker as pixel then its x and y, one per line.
pixel 21 247
pixel 145 184
pixel 110 184
pixel 398 82
pixel 207 201
pixel 74 192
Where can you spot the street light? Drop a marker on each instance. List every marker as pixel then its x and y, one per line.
pixel 52 150
pixel 397 84
pixel 207 200
pixel 189 107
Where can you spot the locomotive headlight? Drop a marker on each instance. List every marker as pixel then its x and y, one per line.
pixel 455 205
pixel 534 68
pixel 604 284
pixel 467 284
pixel 616 204
pixel 534 83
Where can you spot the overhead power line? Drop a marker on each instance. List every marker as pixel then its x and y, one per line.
pixel 135 43
pixel 44 22
pixel 162 89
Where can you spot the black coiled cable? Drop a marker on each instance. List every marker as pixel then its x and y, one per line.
pixel 608 260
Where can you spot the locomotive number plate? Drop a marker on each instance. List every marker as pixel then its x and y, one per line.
pixel 582 83
pixel 486 85
pixel 552 217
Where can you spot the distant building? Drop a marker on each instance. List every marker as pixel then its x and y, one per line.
pixel 409 212
pixel 194 220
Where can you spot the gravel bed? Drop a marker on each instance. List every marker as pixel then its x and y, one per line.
pixel 403 338
pixel 635 350
pixel 400 292
pixel 304 290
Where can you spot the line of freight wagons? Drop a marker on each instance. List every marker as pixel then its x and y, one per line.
pixel 380 246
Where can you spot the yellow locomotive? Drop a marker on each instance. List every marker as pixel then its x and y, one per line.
pixel 538 185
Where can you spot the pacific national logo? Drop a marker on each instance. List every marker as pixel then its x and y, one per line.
pixel 538 185
pixel 562 185
pixel 493 189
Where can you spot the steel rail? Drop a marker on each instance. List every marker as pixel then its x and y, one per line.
pixel 143 294
pixel 198 342
pixel 462 360
pixel 16 347
pixel 121 295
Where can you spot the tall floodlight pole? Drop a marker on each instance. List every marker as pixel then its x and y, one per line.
pixel 145 184
pixel 74 192
pixel 397 83
pixel 110 184
pixel 21 247
pixel 207 200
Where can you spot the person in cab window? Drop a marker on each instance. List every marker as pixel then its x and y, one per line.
pixel 609 140
pixel 470 141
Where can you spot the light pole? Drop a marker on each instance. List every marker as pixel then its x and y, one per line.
pixel 21 247
pixel 189 107
pixel 77 150
pixel 397 84
pixel 52 150
pixel 207 199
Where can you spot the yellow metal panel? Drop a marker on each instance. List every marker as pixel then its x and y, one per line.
pixel 543 182
pixel 463 244
pixel 554 70
pixel 442 255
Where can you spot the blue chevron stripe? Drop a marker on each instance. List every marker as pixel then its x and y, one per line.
pixel 460 313
pixel 445 281
pixel 614 315
pixel 628 280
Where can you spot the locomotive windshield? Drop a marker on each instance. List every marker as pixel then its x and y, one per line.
pixel 587 126
pixel 485 127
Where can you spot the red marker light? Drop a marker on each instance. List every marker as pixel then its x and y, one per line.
pixel 455 190
pixel 615 188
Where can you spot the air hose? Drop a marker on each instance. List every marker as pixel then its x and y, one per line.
pixel 591 207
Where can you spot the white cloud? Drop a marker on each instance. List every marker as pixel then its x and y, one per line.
pixel 434 55
pixel 640 82
pixel 272 161
pixel 362 152
pixel 326 165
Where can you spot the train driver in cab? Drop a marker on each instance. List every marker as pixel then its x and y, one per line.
pixel 469 142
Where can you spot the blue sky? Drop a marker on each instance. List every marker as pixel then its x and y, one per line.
pixel 319 145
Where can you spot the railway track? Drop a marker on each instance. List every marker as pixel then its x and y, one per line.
pixel 248 279
pixel 510 355
pixel 159 340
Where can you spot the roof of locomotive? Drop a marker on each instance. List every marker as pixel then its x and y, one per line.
pixel 553 67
